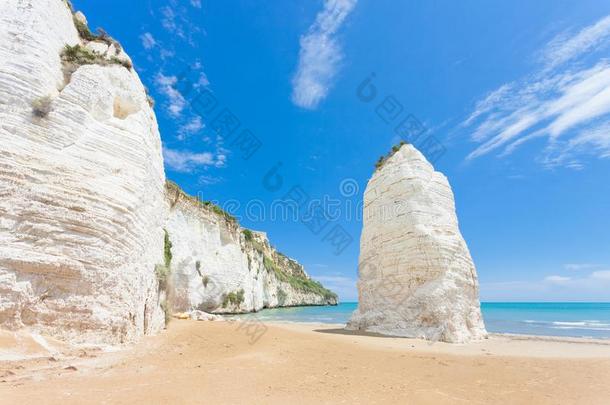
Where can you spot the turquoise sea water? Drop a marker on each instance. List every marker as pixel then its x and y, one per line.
pixel 550 318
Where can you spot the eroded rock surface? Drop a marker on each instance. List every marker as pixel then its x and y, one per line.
pixel 81 186
pixel 93 248
pixel 416 275
pixel 219 267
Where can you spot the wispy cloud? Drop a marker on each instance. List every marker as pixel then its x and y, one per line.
pixel 185 161
pixel 581 266
pixel 193 126
pixel 176 101
pixel 566 101
pixel 148 41
pixel 565 47
pixel 170 23
pixel 175 19
pixel 320 55
pixel 557 279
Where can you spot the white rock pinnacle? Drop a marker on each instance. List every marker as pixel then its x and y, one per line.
pixel 416 276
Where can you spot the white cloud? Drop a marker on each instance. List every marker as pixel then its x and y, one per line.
pixel 186 161
pixel 601 275
pixel 176 101
pixel 194 125
pixel 557 279
pixel 564 48
pixel 168 21
pixel 568 105
pixel 208 180
pixel 203 80
pixel 592 287
pixel 196 3
pixel 320 55
pixel 580 266
pixel 148 41
pixel 175 19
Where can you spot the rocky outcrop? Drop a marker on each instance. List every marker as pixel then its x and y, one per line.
pixel 92 249
pixel 81 184
pixel 416 275
pixel 219 267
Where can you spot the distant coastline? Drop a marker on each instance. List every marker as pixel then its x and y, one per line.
pixel 590 320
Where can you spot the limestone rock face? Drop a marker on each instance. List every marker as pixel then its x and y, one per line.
pixel 219 267
pixel 85 217
pixel 416 275
pixel 81 186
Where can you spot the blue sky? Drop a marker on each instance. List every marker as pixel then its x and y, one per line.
pixel 517 93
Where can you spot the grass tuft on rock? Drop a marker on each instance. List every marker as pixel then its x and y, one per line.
pixel 179 193
pixel 248 235
pixel 42 106
pixel 233 298
pixel 79 55
pixel 382 159
pixel 167 249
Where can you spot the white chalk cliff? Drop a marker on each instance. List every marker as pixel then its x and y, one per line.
pixel 219 267
pixel 83 205
pixel 416 275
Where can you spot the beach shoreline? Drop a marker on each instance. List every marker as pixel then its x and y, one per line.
pixel 310 363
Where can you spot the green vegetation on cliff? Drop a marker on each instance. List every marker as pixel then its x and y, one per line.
pixel 233 298
pixel 382 159
pixel 173 188
pixel 299 283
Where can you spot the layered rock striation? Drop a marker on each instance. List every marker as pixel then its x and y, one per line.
pixel 81 185
pixel 219 267
pixel 416 275
pixel 86 226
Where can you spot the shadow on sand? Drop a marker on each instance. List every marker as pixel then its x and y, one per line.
pixel 342 331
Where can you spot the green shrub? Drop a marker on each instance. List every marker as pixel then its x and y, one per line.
pixel 258 246
pixel 123 62
pixel 270 266
pixel 248 235
pixel 300 283
pixel 233 298
pixel 167 249
pixel 79 55
pixel 41 107
pixel 382 159
pixel 83 30
pixel 172 187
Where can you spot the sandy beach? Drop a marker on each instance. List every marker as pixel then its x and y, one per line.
pixel 220 362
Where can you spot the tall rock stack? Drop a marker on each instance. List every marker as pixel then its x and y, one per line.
pixel 81 182
pixel 416 275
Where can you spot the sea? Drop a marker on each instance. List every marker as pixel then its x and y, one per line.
pixel 589 320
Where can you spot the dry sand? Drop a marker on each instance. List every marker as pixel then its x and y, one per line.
pixel 218 362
